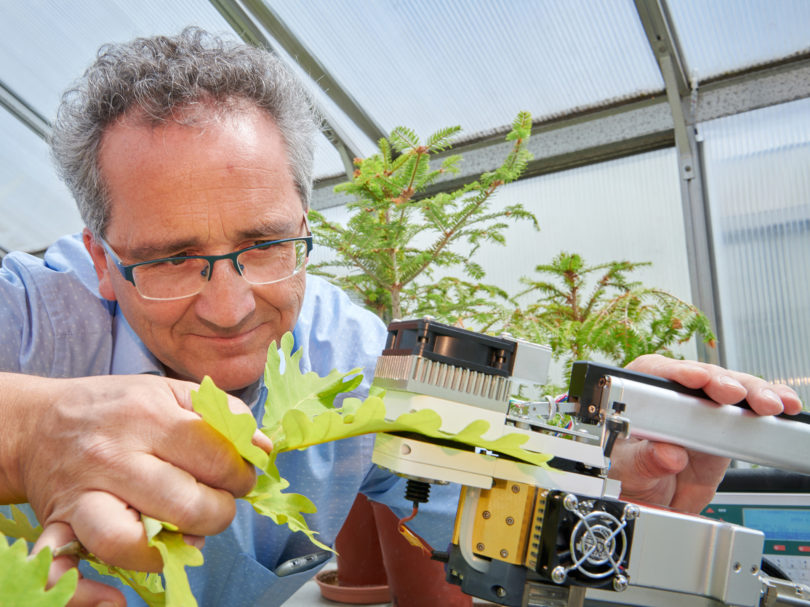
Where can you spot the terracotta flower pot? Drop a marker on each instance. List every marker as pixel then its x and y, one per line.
pixel 414 579
pixel 360 577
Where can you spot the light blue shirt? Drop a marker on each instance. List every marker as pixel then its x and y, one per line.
pixel 54 323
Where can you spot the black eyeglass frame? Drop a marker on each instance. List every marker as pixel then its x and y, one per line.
pixel 128 269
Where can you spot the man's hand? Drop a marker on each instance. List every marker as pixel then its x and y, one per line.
pixel 666 474
pixel 94 453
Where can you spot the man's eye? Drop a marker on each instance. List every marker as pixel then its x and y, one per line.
pixel 177 261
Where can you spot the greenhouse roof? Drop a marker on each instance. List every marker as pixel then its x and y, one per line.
pixel 594 75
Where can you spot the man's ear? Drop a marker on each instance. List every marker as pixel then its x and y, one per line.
pixel 101 264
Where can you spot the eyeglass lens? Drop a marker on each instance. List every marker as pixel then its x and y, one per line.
pixel 183 277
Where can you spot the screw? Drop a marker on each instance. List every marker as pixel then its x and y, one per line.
pixel 620 583
pixel 500 591
pixel 515 488
pixel 486 514
pixel 737 567
pixel 592 409
pixel 558 574
pixel 504 553
pixel 510 520
pixel 479 546
pixel 631 511
pixel 570 502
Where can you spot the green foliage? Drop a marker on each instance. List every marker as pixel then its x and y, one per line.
pixel 176 555
pixel 23 579
pixel 19 526
pixel 395 207
pixel 616 318
pixel 148 586
pixel 212 405
pixel 289 389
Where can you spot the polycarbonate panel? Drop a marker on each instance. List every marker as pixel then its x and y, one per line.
pixel 722 36
pixel 46 44
pixel 628 208
pixel 759 193
pixel 476 63
pixel 35 207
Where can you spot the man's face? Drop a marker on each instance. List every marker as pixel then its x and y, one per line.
pixel 207 190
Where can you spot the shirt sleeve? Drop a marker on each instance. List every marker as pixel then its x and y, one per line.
pixel 52 320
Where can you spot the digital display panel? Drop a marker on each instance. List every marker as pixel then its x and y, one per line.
pixel 779 523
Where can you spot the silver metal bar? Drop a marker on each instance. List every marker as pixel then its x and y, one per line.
pixel 247 29
pixel 726 430
pixel 664 45
pixel 668 553
pixel 24 112
pixel 269 19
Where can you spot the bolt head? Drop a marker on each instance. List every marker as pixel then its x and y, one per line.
pixel 570 502
pixel 631 512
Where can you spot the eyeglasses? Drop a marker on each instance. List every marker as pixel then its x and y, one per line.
pixel 185 275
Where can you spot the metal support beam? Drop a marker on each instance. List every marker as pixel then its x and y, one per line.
pixel 247 29
pixel 310 64
pixel 24 112
pixel 702 271
pixel 632 128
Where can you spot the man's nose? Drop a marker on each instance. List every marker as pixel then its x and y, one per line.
pixel 227 298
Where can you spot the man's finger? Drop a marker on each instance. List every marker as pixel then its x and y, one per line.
pixel 88 593
pixel 648 460
pixel 112 531
pixel 182 392
pixel 721 385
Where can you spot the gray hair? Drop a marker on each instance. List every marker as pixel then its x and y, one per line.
pixel 160 77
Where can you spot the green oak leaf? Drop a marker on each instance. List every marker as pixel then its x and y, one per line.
pixel 267 498
pixel 301 432
pixel 23 579
pixel 212 405
pixel 289 389
pixel 176 556
pixel 19 526
pixel 148 586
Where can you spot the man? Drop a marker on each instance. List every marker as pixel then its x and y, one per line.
pixel 187 157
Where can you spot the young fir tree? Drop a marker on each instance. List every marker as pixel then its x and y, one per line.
pixel 615 319
pixel 401 230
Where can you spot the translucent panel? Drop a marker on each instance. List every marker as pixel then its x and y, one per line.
pixel 44 46
pixel 724 36
pixel 759 194
pixel 35 207
pixel 623 209
pixel 428 65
